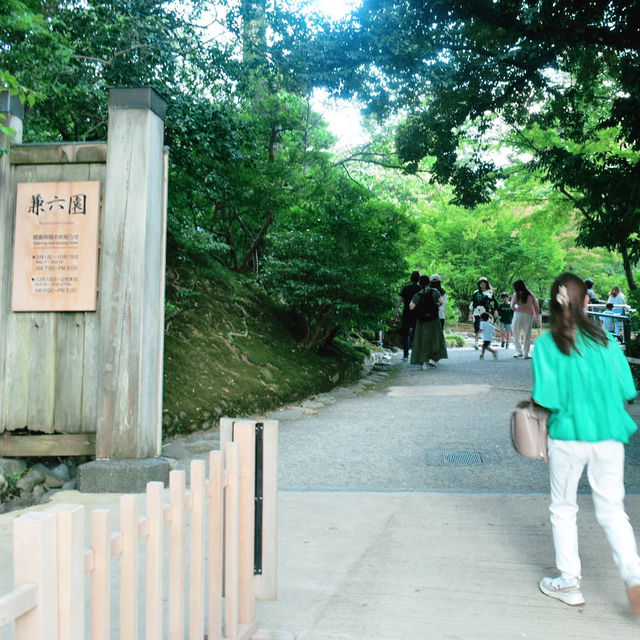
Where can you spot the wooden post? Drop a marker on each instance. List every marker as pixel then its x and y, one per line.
pixel 244 435
pixel 132 279
pixel 153 582
pixel 35 562
pixel 196 550
pixel 177 493
pixel 11 115
pixel 129 568
pixel 70 528
pixel 216 521
pixel 231 541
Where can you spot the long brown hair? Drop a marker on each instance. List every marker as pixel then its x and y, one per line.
pixel 568 314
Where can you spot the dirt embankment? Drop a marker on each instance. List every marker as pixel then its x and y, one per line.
pixel 235 353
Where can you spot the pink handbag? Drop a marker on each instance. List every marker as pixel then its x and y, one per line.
pixel 529 430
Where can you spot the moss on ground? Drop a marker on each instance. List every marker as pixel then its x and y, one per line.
pixel 235 353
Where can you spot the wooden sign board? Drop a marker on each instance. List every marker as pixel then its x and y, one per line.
pixel 55 249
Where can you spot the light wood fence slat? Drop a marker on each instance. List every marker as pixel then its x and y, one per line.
pixel 129 568
pixel 215 491
pixel 70 528
pixel 245 436
pixel 196 550
pixel 35 561
pixel 101 574
pixel 17 603
pixel 51 559
pixel 155 517
pixel 177 490
pixel 231 535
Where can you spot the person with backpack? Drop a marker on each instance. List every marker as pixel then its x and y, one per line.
pixel 429 345
pixel 408 316
pixel 588 427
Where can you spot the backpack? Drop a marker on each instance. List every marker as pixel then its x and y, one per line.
pixel 427 308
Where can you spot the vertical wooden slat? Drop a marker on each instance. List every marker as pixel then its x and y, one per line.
pixel 231 537
pixel 129 568
pixel 245 435
pixel 7 215
pixel 215 543
pixel 91 346
pixel 177 493
pixel 196 550
pixel 155 517
pixel 101 574
pixel 70 528
pixel 67 415
pixel 35 561
pixel 42 347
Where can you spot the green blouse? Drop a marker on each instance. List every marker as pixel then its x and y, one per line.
pixel 585 391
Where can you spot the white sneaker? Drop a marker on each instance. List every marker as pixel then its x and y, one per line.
pixel 424 366
pixel 566 591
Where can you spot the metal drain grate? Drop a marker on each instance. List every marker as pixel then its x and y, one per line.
pixel 444 458
pixel 462 457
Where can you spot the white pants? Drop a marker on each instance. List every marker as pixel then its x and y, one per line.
pixel 522 322
pixel 605 470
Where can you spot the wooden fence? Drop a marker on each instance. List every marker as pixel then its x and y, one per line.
pixel 183 570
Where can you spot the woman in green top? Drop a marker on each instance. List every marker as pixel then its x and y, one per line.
pixel 581 375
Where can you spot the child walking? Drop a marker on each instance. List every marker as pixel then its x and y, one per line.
pixel 487 329
pixel 505 313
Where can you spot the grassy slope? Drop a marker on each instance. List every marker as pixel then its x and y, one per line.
pixel 234 353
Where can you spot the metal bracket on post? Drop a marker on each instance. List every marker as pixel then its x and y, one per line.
pixel 265 502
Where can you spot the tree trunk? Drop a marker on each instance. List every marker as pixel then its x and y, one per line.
pixel 628 269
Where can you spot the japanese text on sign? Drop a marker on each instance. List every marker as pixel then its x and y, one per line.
pixel 55 264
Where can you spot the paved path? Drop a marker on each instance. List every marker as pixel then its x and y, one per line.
pixel 379 540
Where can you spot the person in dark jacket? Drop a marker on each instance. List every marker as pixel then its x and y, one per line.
pixel 408 316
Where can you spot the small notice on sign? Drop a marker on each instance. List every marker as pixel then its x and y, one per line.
pixel 55 250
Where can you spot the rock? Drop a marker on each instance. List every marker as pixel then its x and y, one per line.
pixel 70 485
pixel 61 472
pixel 38 491
pixel 52 482
pixel 34 477
pixel 3 484
pixel 166 420
pixel 175 450
pixel 12 466
pixel 201 446
pixel 206 426
pixel 40 468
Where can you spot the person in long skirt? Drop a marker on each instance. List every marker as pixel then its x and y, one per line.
pixel 429 345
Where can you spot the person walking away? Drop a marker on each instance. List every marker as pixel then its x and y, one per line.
pixel 588 427
pixel 487 329
pixel 482 300
pixel 593 298
pixel 607 322
pixel 505 314
pixel 526 311
pixel 618 299
pixel 428 343
pixel 408 316
pixel 436 283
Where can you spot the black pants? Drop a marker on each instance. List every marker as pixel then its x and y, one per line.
pixel 408 329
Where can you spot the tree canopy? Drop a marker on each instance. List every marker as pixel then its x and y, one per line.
pixel 463 72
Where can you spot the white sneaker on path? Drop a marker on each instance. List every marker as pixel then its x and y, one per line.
pixel 567 592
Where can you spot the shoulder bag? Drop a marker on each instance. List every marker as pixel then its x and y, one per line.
pixel 529 430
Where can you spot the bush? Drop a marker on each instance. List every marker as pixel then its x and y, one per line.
pixel 455 340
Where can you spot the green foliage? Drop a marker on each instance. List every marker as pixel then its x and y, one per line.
pixel 336 262
pixel 455 340
pixel 466 71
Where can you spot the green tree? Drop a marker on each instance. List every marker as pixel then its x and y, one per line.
pixel 335 260
pixel 463 69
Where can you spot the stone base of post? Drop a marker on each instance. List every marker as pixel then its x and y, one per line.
pixel 122 475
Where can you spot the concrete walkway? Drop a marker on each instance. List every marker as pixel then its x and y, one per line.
pixel 404 514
